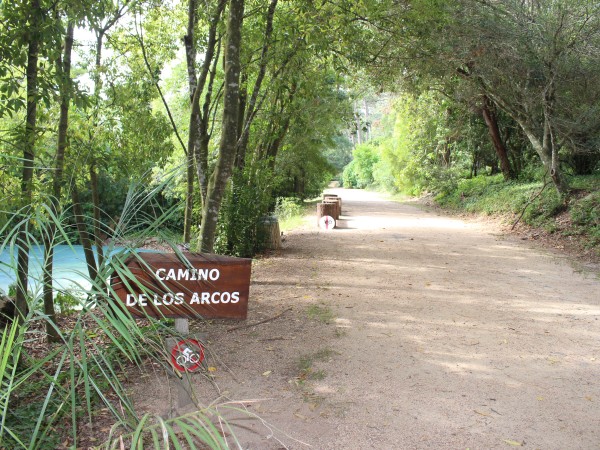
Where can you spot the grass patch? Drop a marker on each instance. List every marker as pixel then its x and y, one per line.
pixel 294 213
pixel 306 362
pixel 320 313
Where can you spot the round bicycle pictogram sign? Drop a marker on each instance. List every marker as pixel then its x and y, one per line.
pixel 327 223
pixel 187 355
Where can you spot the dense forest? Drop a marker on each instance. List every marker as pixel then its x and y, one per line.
pixel 193 120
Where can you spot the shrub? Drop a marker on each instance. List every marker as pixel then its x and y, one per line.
pixel 288 207
pixel 245 205
pixel 359 173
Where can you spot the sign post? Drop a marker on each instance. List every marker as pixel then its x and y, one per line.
pixel 199 286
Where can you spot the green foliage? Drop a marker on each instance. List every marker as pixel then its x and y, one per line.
pixel 359 173
pixel 304 172
pixel 12 290
pixel 293 212
pixel 491 195
pixel 349 180
pixel 469 190
pixel 585 214
pixel 320 313
pixel 67 302
pixel 340 154
pixel 45 400
pixel 288 207
pixel 245 207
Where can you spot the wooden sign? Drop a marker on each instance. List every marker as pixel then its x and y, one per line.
pixel 201 285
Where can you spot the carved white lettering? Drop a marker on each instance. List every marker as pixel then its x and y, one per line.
pixel 142 300
pixel 183 274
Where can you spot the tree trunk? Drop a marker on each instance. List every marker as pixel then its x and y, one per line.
pixel 189 197
pixel 28 158
pixel 546 153
pixel 229 137
pixel 97 225
pixel 194 122
pixel 198 138
pixel 359 138
pixel 240 159
pixel 262 70
pixel 492 124
pixel 63 126
pixel 83 235
pixel 447 154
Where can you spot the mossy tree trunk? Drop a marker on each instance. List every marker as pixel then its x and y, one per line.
pixel 229 134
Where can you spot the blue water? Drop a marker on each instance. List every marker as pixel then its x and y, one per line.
pixel 70 270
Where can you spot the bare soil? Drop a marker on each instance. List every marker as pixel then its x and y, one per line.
pixel 404 329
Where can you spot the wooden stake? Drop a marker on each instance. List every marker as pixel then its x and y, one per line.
pixel 182 326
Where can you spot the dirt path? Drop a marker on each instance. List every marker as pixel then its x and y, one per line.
pixel 410 330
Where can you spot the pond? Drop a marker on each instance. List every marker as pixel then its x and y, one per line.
pixel 70 270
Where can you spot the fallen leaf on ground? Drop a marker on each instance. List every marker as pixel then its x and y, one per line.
pixel 513 443
pixel 267 373
pixel 212 369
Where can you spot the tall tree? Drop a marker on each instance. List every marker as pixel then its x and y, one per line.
pixel 531 59
pixel 33 48
pixel 103 16
pixel 199 121
pixel 64 74
pixel 229 130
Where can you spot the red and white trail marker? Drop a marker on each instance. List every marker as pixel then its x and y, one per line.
pixel 327 223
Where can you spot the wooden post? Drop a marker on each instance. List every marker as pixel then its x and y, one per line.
pixel 182 326
pixel 326 209
pixel 331 197
pixel 271 238
pixel 336 212
pixel 184 385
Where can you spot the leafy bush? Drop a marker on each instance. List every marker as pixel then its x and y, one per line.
pixel 66 302
pixel 586 217
pixel 288 207
pixel 245 205
pixel 349 176
pixel 359 173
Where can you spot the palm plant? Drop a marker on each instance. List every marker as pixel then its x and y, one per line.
pixel 63 387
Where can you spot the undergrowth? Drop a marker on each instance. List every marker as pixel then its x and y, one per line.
pixel 578 215
pixel 292 212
